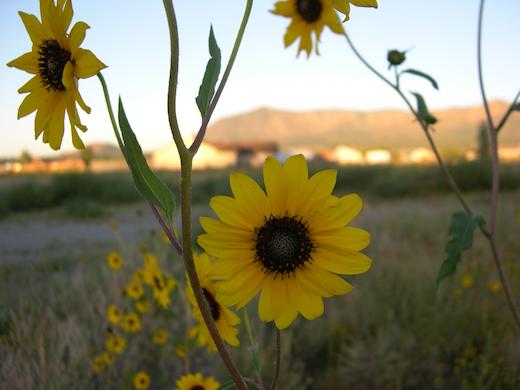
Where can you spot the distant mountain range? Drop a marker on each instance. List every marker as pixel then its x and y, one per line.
pixel 457 128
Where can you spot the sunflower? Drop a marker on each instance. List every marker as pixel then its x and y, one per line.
pixel 307 17
pixel 57 62
pixel 113 314
pixel 131 322
pixel 114 260
pixel 224 318
pixel 160 337
pixel 287 243
pixel 196 381
pixel 141 381
pixel 134 289
pixel 116 344
pixel 98 363
pixel 343 6
pixel 142 307
pixel 108 358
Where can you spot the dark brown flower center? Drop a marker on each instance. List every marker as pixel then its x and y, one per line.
pixel 214 306
pixel 51 63
pixel 309 10
pixel 283 244
pixel 197 387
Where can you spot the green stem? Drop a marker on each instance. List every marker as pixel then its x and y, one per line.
pixel 186 157
pixel 186 169
pixel 205 121
pixel 111 114
pixel 277 361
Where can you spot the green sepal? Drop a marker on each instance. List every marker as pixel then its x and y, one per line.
pixel 149 185
pixel 423 75
pixel 207 88
pixel 461 232
pixel 422 110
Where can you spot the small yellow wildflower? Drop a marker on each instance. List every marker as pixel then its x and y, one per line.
pixel 196 381
pixel 457 292
pixel 116 344
pixel 160 337
pixel 171 283
pixel 142 307
pixel 114 260
pixel 108 358
pixel 181 351
pixel 495 286
pixel 467 281
pixel 134 289
pixel 131 322
pixel 141 381
pixel 113 314
pixel 98 363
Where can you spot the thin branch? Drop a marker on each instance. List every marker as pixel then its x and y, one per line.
pixel 423 125
pixel 277 361
pixel 508 112
pixel 479 66
pixel 166 230
pixel 506 284
pixel 205 121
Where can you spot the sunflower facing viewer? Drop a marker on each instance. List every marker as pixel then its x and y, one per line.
pixel 287 243
pixel 57 62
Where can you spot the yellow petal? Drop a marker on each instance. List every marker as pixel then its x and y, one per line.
pixel 33 27
pixel 318 189
pixel 211 225
pixel 272 180
pixel 31 85
pixel 43 115
pixel 345 237
pixel 66 14
pixel 284 8
pixel 230 212
pixel 295 176
pixel 344 261
pixel 264 303
pixel 236 284
pixel 293 32
pixel 364 3
pixel 309 304
pixel 56 124
pixel 250 198
pixel 338 215
pixel 224 269
pixel 87 64
pixel 287 310
pixel 246 293
pixel 32 102
pixel 342 6
pixel 77 35
pixel 27 62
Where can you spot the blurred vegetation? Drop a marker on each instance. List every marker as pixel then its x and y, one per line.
pixel 394 331
pixel 379 181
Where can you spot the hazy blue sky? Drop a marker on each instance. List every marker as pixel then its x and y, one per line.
pixel 131 38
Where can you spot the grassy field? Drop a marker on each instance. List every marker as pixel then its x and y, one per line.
pixel 394 331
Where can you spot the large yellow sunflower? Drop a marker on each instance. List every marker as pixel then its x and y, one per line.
pixel 343 6
pixel 57 62
pixel 196 381
pixel 288 244
pixel 224 318
pixel 307 16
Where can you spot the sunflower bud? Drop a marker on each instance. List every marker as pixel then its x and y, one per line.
pixel 395 57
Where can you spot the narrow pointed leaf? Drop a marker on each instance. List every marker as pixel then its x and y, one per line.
pixel 423 75
pixel 207 88
pixel 422 110
pixel 461 232
pixel 149 185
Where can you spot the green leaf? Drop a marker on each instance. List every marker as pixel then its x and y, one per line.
pixel 516 107
pixel 207 88
pixel 461 232
pixel 422 110
pixel 423 75
pixel 149 185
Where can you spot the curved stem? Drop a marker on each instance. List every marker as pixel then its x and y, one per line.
pixel 186 169
pixel 174 73
pixel 506 284
pixel 423 125
pixel 491 131
pixel 166 230
pixel 277 361
pixel 205 121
